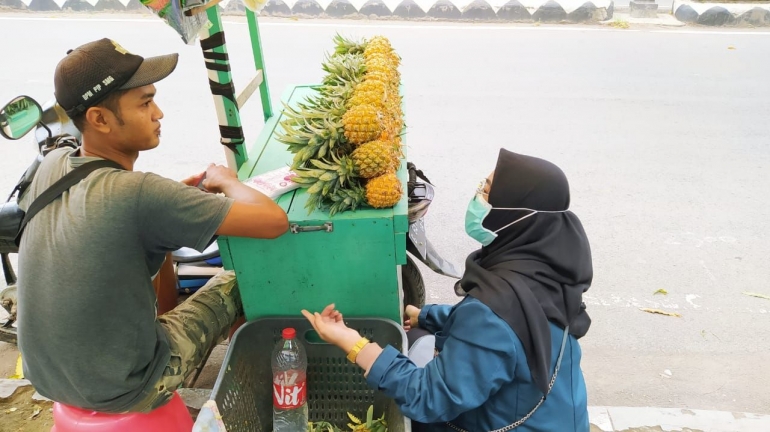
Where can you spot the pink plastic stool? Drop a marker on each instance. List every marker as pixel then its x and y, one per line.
pixel 172 417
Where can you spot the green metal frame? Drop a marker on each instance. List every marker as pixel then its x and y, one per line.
pixel 231 109
pixel 259 63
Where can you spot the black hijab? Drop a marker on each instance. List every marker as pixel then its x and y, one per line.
pixel 536 270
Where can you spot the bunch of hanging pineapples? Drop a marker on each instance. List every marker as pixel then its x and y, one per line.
pixel 346 137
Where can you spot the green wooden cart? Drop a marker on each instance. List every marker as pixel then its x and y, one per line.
pixel 356 259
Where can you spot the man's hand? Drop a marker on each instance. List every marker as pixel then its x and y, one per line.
pixel 330 326
pixel 194 180
pixel 253 214
pixel 412 313
pixel 219 178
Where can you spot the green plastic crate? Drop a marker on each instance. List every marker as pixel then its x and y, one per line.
pixel 243 391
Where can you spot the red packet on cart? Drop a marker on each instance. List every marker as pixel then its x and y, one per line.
pixel 273 183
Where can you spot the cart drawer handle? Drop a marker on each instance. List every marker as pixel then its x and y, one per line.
pixel 296 229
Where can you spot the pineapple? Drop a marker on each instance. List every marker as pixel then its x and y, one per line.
pixel 391 128
pixel 383 191
pixel 374 158
pixel 379 65
pixel 396 154
pixel 346 137
pixel 362 123
pixel 379 46
pixel 370 93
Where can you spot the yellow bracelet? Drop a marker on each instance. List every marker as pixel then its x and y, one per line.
pixel 353 354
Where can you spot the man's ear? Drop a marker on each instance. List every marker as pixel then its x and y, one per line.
pixel 96 118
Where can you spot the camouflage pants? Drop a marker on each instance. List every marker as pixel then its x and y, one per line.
pixel 192 329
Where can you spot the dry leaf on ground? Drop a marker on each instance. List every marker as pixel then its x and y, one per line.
pixel 757 295
pixel 660 312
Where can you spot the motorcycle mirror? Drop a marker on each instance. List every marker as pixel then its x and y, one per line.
pixel 19 116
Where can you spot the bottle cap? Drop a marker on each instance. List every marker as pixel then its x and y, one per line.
pixel 289 333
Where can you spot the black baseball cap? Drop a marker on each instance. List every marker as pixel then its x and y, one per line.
pixel 92 71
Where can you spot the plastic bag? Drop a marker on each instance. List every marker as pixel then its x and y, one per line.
pixel 173 13
pixel 209 419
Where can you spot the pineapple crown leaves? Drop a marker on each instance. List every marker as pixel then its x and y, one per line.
pixel 343 68
pixel 342 168
pixel 347 199
pixel 323 165
pixel 292 138
pixel 303 155
pixel 346 167
pixel 338 88
pixel 313 202
pixel 348 46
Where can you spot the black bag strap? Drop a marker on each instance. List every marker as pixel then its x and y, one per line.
pixel 61 185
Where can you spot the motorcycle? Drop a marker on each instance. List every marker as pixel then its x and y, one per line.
pixel 54 129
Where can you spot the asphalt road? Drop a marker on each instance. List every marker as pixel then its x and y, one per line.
pixel 662 133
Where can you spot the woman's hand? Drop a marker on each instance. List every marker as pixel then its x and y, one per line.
pixel 412 313
pixel 330 326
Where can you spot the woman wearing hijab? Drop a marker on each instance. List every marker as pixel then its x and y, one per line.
pixel 507 355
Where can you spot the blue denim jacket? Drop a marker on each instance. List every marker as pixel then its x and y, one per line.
pixel 480 380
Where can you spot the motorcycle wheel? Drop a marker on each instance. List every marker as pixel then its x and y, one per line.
pixel 413 284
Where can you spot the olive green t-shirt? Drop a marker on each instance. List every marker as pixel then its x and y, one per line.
pixel 88 331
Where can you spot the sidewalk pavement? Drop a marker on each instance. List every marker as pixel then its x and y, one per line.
pixel 603 419
pixel 664 19
pixel 623 419
pixel 611 419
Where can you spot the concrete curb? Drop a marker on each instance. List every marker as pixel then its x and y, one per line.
pixel 551 11
pixel 662 19
pixel 722 14
pixel 609 419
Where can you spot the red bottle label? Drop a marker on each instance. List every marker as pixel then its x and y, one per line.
pixel 289 390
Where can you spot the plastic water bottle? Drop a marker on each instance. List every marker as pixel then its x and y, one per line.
pixel 289 384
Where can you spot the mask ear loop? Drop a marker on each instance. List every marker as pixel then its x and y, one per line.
pixel 534 212
pixel 516 221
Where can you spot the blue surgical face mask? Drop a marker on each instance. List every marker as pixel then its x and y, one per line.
pixel 479 209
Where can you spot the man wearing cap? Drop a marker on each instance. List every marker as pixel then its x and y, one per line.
pixel 88 328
